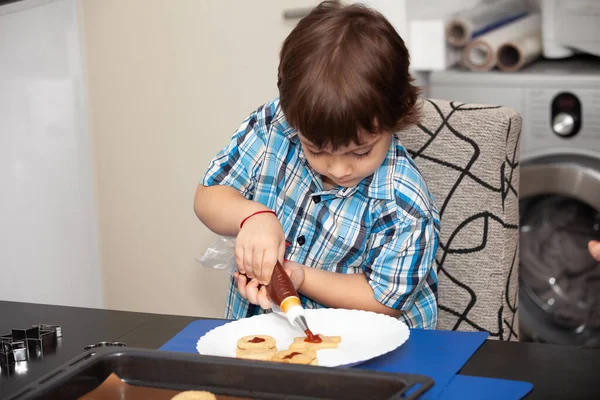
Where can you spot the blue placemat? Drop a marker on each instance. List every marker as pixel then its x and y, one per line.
pixel 438 354
pixel 474 387
pixel 185 341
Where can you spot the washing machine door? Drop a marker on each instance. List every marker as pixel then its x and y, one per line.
pixel 559 279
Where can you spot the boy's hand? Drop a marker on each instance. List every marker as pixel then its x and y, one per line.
pixel 257 294
pixel 252 291
pixel 260 243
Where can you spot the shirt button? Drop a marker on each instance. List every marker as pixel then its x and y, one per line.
pixel 316 199
pixel 301 240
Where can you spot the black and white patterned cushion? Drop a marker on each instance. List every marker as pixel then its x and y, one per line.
pixel 469 157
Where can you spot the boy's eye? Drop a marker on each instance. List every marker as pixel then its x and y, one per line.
pixel 357 155
pixel 362 155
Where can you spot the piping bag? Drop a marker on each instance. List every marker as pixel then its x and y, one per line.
pixel 283 296
pixel 286 302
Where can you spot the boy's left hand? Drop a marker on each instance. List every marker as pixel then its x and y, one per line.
pixel 255 293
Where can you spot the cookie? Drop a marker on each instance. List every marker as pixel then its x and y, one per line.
pixel 256 342
pixel 194 395
pixel 296 357
pixel 255 354
pixel 328 342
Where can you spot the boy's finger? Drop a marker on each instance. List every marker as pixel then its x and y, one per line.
pixel 269 262
pixel 248 266
pixel 252 291
pixel 248 253
pixel 257 261
pixel 281 252
pixel 241 284
pixel 263 298
pixel 239 259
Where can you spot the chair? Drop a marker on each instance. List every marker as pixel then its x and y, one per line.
pixel 469 157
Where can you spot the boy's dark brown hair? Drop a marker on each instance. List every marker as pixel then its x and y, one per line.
pixel 344 69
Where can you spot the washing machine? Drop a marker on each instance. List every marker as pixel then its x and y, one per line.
pixel 559 199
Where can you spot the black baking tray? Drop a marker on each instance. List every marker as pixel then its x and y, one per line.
pixel 220 375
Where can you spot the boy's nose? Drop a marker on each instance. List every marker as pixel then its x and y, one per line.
pixel 339 170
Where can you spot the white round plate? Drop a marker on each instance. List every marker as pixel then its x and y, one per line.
pixel 364 334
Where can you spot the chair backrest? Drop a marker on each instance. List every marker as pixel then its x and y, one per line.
pixel 469 157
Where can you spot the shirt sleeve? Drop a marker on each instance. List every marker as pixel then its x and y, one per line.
pixel 238 164
pixel 401 256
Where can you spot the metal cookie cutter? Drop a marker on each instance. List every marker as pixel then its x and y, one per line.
pixel 104 344
pixel 23 344
pixel 47 327
pixel 12 351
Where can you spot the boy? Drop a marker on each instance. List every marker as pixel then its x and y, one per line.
pixel 318 177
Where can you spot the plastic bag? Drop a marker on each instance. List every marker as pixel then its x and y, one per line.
pixel 220 255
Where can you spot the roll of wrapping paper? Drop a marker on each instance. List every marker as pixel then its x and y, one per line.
pixel 514 55
pixel 481 53
pixel 483 18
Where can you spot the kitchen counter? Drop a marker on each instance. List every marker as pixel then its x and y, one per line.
pixel 557 372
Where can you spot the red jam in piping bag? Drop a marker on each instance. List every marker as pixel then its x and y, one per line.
pixel 282 292
pixel 281 289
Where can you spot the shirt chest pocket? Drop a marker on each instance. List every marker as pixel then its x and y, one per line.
pixel 346 251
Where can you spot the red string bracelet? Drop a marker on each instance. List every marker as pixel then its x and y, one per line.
pixel 256 213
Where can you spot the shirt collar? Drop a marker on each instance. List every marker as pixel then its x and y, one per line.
pixel 284 126
pixel 380 185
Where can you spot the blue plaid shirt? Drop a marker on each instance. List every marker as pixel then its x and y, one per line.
pixel 385 227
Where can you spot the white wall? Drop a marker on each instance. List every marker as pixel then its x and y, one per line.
pixel 48 239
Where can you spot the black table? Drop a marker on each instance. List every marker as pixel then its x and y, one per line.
pixel 557 372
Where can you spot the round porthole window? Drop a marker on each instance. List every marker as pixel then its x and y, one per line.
pixel 559 289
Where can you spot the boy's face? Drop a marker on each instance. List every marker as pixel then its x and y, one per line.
pixel 349 165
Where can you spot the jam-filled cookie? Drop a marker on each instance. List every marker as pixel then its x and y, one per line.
pixel 256 354
pixel 256 342
pixel 296 357
pixel 327 342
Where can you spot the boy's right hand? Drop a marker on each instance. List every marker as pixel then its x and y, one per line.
pixel 257 294
pixel 260 243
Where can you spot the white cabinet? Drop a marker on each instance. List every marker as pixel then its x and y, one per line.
pixel 48 232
